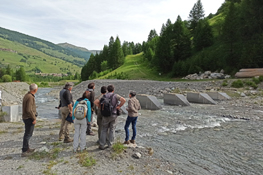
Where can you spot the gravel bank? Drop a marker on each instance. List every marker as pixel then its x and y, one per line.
pixel 46 136
pixel 13 93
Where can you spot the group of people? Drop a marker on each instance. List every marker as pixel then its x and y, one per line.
pixel 106 106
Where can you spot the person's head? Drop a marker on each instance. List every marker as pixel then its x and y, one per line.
pixel 103 89
pixel 110 88
pixel 86 94
pixel 91 85
pixel 33 88
pixel 69 86
pixel 132 94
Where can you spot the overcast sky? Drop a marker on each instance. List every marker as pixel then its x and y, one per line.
pixel 90 23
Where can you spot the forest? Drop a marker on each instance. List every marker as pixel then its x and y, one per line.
pixel 231 39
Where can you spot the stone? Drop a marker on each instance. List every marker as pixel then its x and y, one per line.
pixel 202 98
pixel 149 102
pixel 42 149
pixel 218 96
pixel 242 94
pixel 176 99
pixel 137 155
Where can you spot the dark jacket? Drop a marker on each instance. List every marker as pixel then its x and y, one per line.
pixel 29 107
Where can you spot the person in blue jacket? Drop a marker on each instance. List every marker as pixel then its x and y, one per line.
pixel 81 125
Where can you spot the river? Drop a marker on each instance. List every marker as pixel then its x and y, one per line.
pixel 195 139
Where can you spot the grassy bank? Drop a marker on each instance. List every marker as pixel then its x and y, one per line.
pixel 136 69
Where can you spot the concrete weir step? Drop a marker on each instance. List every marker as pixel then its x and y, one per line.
pixel 149 102
pixel 13 113
pixel 218 96
pixel 176 99
pixel 202 98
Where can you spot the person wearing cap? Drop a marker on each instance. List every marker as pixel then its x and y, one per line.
pixel 133 107
pixel 91 87
pixel 66 107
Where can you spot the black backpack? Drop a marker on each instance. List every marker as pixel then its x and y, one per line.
pixel 106 107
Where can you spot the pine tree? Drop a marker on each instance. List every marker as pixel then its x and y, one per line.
pixel 164 55
pixel 181 43
pixel 21 74
pixel 203 36
pixel 111 53
pixel 118 53
pixel 196 14
pixel 230 33
pixel 151 35
pixel 125 48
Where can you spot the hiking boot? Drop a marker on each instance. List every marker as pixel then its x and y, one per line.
pixel 91 134
pixel 132 141
pixel 101 147
pixel 61 138
pixel 83 150
pixel 68 140
pixel 126 142
pixel 30 150
pixel 26 154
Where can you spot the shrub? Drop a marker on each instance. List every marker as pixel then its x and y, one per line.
pixel 225 83
pixel 237 84
pixel 256 80
pixel 94 75
pixel 7 78
pixel 251 84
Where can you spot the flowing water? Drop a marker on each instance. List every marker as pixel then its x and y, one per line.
pixel 194 139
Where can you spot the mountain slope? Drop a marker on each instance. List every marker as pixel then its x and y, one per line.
pixel 136 69
pixel 81 51
pixel 15 55
pixel 43 46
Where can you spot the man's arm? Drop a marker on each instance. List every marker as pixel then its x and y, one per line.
pixel 97 103
pixel 122 100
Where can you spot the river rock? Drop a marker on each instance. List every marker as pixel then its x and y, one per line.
pixel 44 148
pixel 137 155
pixel 242 94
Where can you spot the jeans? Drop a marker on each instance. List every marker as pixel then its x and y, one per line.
pixel 130 120
pixel 29 128
pixel 80 133
pixel 108 130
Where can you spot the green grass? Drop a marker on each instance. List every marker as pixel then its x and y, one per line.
pixel 53 154
pixel 35 58
pixel 86 160
pixel 118 147
pixel 136 69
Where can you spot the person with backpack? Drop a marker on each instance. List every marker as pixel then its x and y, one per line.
pixel 108 106
pixel 133 107
pixel 91 87
pixel 81 115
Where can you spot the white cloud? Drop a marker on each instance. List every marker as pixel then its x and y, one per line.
pixel 89 23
